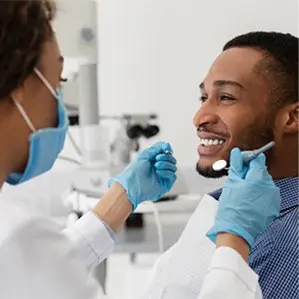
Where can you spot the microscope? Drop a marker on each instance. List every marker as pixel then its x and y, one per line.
pixel 133 127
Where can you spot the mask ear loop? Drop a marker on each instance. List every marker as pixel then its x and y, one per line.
pixel 45 81
pixel 20 107
pixel 23 113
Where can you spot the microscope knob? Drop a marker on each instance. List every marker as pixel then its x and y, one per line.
pixel 151 131
pixel 134 131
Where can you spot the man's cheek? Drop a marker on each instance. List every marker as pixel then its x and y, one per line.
pixel 237 139
pixel 238 130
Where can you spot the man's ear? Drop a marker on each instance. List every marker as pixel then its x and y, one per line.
pixel 291 119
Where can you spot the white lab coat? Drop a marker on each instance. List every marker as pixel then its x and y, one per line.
pixel 38 261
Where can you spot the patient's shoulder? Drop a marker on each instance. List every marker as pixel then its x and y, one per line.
pixel 285 231
pixel 280 236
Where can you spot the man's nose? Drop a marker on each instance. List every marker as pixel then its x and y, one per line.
pixel 206 115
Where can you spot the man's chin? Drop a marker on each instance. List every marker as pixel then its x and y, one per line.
pixel 209 172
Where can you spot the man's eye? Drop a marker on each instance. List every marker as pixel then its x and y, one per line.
pixel 226 98
pixel 63 79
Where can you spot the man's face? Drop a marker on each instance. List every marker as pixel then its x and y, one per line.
pixel 235 110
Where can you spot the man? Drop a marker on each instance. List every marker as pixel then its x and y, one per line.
pixel 248 98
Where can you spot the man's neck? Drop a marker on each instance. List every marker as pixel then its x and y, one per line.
pixel 284 165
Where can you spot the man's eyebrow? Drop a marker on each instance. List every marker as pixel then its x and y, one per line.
pixel 220 83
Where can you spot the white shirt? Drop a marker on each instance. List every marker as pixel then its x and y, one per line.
pixel 38 261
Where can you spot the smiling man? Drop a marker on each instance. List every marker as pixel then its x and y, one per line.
pixel 248 98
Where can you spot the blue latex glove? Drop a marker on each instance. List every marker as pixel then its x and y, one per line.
pixel 150 176
pixel 249 202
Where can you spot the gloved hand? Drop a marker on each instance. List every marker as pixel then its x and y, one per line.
pixel 150 176
pixel 249 202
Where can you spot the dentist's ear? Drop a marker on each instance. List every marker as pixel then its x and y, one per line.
pixel 291 119
pixel 18 94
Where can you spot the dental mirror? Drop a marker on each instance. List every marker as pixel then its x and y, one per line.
pixel 219 165
pixel 247 156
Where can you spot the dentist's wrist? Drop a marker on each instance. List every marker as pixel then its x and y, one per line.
pixel 114 207
pixel 124 184
pixel 235 242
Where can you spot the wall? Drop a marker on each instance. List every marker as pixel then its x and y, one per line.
pixel 72 17
pixel 153 54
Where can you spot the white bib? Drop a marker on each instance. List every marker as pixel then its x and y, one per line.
pixel 184 266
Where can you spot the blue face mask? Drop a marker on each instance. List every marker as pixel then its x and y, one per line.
pixel 44 144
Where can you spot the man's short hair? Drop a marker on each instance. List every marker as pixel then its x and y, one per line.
pixel 279 65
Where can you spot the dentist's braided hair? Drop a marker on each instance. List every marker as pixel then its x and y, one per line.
pixel 24 27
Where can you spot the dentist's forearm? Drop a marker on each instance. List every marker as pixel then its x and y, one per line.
pixel 235 242
pixel 114 207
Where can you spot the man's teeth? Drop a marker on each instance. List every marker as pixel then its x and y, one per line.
pixel 209 142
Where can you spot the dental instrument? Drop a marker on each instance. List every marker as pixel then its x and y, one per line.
pixel 168 152
pixel 247 156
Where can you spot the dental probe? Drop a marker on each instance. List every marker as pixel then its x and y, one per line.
pixel 247 156
pixel 168 152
